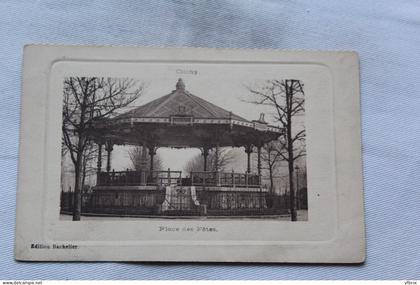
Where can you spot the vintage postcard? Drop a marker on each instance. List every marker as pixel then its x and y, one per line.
pixel 152 154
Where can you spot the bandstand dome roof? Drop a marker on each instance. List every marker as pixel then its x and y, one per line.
pixel 181 101
pixel 181 119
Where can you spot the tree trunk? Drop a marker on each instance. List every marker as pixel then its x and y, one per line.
pixel 270 170
pixel 271 181
pixel 78 171
pixel 290 157
pixel 216 165
pixel 292 192
pixel 84 172
pixel 77 206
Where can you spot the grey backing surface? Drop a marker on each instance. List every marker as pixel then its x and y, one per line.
pixel 386 35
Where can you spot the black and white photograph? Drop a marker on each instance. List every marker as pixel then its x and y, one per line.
pixel 189 147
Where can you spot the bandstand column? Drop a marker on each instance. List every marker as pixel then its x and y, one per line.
pixel 217 165
pixel 248 150
pixel 99 162
pixel 205 154
pixel 143 165
pixel 259 174
pixel 108 147
pixel 259 160
pixel 152 152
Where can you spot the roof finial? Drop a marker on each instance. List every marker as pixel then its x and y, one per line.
pixel 180 85
pixel 261 119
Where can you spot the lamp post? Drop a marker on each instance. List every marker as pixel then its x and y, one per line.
pixel 109 146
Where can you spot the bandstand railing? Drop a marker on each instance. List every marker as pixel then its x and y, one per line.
pixel 224 179
pixel 119 178
pixel 137 178
pixel 170 177
pixel 165 177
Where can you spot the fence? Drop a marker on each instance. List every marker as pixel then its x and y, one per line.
pixel 168 177
pixel 121 178
pixel 283 201
pixel 224 179
pixel 136 178
pixel 150 202
pixel 145 202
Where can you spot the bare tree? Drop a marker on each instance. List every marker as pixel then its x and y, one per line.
pixel 90 155
pixel 85 100
pixel 218 159
pixel 137 161
pixel 287 98
pixel 271 157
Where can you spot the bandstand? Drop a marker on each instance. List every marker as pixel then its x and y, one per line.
pixel 180 120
